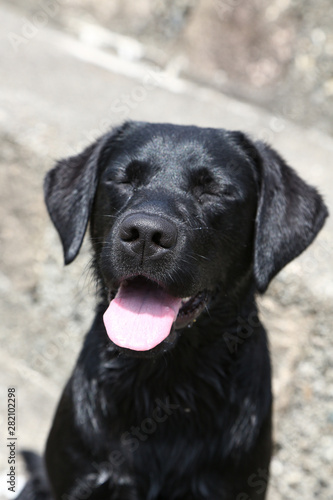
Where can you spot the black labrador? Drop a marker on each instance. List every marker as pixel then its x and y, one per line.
pixel 171 395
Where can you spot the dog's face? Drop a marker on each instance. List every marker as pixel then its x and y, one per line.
pixel 173 217
pixel 177 213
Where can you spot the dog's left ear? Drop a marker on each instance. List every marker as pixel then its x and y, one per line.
pixel 290 214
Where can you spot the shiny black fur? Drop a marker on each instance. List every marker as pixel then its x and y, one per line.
pixel 190 419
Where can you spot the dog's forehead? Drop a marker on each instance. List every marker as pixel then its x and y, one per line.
pixel 164 151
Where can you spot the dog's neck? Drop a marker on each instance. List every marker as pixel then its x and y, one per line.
pixel 212 350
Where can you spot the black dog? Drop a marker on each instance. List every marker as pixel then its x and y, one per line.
pixel 171 395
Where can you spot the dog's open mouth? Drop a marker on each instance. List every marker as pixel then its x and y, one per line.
pixel 142 314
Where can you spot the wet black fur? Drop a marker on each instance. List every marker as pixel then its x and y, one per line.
pixel 192 418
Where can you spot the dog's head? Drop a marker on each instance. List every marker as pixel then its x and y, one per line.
pixel 175 212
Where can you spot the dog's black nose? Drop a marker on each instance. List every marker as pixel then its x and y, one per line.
pixel 147 235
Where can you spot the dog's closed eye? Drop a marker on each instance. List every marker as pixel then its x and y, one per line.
pixel 137 173
pixel 203 185
pixel 134 175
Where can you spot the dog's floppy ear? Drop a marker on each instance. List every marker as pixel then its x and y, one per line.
pixel 290 214
pixel 69 190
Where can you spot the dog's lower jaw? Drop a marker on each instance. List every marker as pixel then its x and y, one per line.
pixel 191 309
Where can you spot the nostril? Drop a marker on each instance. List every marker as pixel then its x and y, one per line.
pixel 129 233
pixel 166 238
pixel 156 238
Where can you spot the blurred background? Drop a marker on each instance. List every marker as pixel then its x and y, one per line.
pixel 276 54
pixel 71 69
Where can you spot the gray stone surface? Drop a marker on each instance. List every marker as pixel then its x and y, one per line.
pixel 56 94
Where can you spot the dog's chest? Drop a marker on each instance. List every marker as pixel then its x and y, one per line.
pixel 171 422
pixel 168 442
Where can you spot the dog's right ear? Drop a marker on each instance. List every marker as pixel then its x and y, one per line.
pixel 69 190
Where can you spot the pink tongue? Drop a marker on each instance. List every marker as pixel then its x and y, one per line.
pixel 140 316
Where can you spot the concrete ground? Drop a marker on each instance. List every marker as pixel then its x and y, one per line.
pixel 57 93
